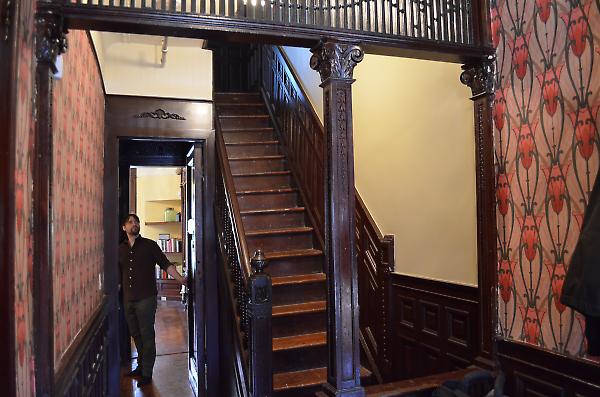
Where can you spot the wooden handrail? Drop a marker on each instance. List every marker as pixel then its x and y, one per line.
pixel 231 196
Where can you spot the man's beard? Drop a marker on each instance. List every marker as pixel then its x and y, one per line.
pixel 135 231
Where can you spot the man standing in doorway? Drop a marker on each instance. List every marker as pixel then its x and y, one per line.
pixel 137 259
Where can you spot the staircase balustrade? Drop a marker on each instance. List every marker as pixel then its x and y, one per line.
pixel 249 287
pixel 446 21
pixel 300 128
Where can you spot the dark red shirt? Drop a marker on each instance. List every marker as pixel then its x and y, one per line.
pixel 137 264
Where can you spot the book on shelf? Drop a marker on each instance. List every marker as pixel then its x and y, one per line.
pixel 170 245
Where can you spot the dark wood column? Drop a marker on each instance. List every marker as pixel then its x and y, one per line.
pixel 51 42
pixel 335 63
pixel 480 77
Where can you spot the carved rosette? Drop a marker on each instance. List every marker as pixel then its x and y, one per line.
pixel 334 60
pixel 479 77
pixel 52 38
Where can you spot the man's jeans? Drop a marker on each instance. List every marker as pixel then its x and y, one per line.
pixel 140 317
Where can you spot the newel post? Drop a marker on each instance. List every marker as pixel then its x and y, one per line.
pixel 335 62
pixel 259 324
pixel 480 78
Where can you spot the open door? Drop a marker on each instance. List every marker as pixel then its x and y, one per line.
pixel 194 253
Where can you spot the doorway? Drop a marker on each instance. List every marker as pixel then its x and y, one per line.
pixel 163 181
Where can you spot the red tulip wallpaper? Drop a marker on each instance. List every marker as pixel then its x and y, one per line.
pixel 77 190
pixel 23 199
pixel 547 156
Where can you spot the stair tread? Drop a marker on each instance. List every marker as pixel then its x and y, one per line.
pixel 257 103
pixel 263 173
pixel 272 211
pixel 299 341
pixel 267 191
pixel 270 142
pixel 244 116
pixel 297 308
pixel 309 377
pixel 246 129
pixel 293 253
pixel 298 279
pixel 283 230
pixel 265 157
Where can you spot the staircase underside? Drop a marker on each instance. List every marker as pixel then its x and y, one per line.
pixel 276 222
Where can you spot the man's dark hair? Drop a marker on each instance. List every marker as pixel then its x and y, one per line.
pixel 126 218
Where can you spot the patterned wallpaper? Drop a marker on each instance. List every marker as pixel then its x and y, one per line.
pixel 547 156
pixel 77 188
pixel 23 190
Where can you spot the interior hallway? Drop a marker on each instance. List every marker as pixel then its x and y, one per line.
pixel 170 376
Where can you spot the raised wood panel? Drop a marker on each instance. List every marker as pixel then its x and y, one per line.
pixel 532 371
pixel 85 372
pixel 434 326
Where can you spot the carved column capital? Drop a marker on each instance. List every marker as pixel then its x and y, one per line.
pixel 335 60
pixel 52 38
pixel 479 77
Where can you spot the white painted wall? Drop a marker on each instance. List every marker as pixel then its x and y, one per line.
pixel 131 66
pixel 414 156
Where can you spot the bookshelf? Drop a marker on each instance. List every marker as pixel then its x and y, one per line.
pixel 155 194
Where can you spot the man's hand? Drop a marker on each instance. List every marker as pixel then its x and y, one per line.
pixel 172 271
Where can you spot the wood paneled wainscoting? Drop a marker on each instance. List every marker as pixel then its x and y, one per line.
pixel 434 326
pixel 532 371
pixel 84 372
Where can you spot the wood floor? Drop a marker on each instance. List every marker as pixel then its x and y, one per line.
pixel 170 370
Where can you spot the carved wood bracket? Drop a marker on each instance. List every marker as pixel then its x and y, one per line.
pixel 159 114
pixel 52 37
pixel 479 77
pixel 335 60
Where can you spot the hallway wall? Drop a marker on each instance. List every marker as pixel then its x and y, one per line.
pixel 23 199
pixel 547 156
pixel 414 156
pixel 77 192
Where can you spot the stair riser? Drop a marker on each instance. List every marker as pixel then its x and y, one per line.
pixel 226 110
pixel 262 182
pixel 248 136
pixel 302 392
pixel 273 221
pixel 252 150
pixel 267 200
pixel 299 359
pixel 244 122
pixel 225 97
pixel 299 293
pixel 295 266
pixel 241 166
pixel 280 242
pixel 297 324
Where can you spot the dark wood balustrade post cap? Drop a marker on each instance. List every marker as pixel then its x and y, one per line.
pixel 258 261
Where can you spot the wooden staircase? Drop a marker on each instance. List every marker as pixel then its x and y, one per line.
pixel 275 221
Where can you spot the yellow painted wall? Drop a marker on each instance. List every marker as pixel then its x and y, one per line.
pixel 154 194
pixel 414 160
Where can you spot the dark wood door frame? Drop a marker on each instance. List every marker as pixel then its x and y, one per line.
pixel 121 123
